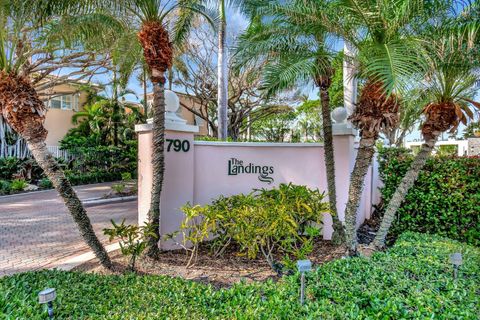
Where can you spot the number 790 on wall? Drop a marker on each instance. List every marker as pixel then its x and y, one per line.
pixel 178 145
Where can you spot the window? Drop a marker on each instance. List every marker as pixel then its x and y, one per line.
pixel 199 121
pixel 66 102
pixel 56 103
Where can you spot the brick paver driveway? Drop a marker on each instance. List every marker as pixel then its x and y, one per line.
pixel 36 230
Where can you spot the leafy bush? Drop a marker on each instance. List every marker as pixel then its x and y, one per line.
pixel 131 238
pixel 8 167
pixel 5 187
pixel 18 185
pixel 413 280
pixel 281 221
pixel 96 176
pixel 445 199
pixel 126 176
pixel 119 188
pixel 45 183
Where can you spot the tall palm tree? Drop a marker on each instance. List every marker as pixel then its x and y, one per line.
pixel 294 41
pixel 453 57
pixel 222 73
pixel 388 57
pixel 163 24
pixel 222 59
pixel 32 37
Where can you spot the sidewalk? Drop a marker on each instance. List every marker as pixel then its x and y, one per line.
pixel 36 230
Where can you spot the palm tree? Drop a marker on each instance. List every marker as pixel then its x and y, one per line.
pixel 388 57
pixel 223 65
pixel 450 83
pixel 106 119
pixel 32 38
pixel 294 41
pixel 159 20
pixel 222 73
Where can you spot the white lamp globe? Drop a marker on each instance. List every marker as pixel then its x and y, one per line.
pixel 339 114
pixel 172 102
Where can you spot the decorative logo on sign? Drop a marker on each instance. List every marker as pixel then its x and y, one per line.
pixel 236 167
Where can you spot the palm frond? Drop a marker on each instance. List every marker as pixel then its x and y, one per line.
pixel 396 64
pixel 289 72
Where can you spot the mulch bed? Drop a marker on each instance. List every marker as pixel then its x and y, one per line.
pixel 220 272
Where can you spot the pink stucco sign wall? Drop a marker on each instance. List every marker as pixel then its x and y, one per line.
pixel 210 169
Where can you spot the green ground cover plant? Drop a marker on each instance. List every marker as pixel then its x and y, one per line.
pixel 413 280
pixel 445 199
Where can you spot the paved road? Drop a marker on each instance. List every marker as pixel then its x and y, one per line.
pixel 36 230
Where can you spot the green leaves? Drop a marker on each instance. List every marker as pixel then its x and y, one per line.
pixel 292 37
pixel 395 63
pixel 426 208
pixel 131 238
pixel 272 222
pixel 413 280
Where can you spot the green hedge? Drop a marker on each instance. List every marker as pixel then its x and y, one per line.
pixel 413 280
pixel 445 200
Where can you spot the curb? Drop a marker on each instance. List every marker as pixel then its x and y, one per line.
pixel 81 259
pixel 92 202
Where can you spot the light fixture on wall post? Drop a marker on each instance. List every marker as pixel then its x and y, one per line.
pixel 47 296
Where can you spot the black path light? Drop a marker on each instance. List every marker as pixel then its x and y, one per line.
pixel 303 266
pixel 47 296
pixel 456 260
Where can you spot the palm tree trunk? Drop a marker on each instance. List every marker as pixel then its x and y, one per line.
pixel 62 185
pixel 338 236
pixel 170 78
pixel 222 75
pixel 24 112
pixel 158 163
pixel 400 193
pixel 363 160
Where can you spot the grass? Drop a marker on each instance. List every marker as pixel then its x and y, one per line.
pixel 413 280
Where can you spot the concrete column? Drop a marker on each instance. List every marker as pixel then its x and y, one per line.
pixel 344 154
pixel 179 173
pixel 349 81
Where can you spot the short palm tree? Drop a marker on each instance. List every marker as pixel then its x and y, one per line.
pixel 163 24
pixel 294 42
pixel 450 82
pixel 34 42
pixel 388 57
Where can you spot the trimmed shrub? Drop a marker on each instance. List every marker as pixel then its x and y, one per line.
pixel 413 280
pixel 97 176
pixel 445 200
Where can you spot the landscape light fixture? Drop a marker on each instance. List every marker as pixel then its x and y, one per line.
pixel 303 266
pixel 456 260
pixel 47 296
